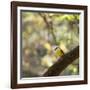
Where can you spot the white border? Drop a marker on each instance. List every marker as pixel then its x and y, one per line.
pixel 57 78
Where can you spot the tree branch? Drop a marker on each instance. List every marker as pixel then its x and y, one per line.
pixel 63 62
pixel 49 25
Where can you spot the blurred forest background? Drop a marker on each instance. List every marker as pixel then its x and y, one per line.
pixel 41 32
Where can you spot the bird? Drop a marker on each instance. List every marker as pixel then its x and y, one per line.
pixel 58 52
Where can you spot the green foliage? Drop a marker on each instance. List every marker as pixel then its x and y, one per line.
pixel 40 33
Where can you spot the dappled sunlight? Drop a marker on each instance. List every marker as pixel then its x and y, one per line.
pixel 41 33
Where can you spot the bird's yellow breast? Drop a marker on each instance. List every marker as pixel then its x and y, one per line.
pixel 58 52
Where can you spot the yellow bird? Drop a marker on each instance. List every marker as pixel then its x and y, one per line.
pixel 58 52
